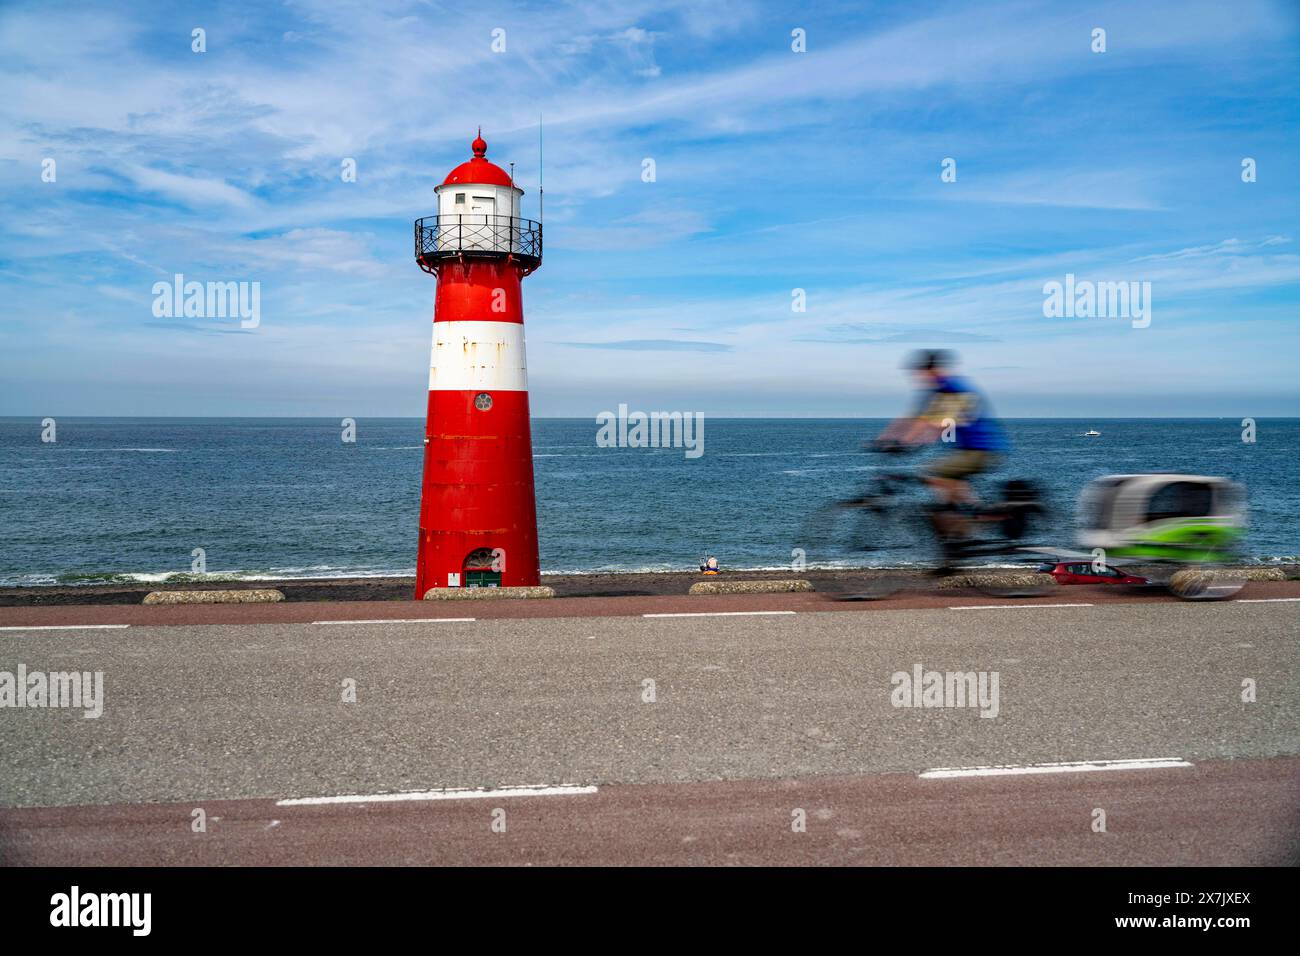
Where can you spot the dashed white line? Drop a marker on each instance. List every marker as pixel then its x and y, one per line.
pixel 1263 600
pixel 1084 766
pixel 68 627
pixel 539 790
pixel 405 620
pixel 719 614
pixel 1001 607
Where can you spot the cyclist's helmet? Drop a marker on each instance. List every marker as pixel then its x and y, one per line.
pixel 929 360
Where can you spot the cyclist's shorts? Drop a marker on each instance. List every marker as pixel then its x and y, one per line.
pixel 963 463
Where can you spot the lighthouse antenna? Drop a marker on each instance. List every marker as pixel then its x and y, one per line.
pixel 541 192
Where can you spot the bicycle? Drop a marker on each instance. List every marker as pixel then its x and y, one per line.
pixel 884 518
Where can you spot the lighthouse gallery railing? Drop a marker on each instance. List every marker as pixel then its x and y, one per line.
pixel 438 238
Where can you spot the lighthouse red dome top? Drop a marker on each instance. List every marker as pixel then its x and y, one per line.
pixel 479 169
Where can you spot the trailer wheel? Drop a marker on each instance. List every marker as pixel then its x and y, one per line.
pixel 1205 584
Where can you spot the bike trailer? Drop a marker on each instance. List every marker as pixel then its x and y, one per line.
pixel 1182 518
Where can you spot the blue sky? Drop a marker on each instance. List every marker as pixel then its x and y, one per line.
pixel 775 170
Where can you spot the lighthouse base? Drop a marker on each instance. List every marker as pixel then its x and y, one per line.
pixel 478 517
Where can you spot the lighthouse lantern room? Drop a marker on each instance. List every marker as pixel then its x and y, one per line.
pixel 478 515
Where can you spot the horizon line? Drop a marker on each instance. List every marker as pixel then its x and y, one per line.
pixel 581 418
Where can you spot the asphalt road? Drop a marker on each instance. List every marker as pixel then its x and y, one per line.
pixel 198 714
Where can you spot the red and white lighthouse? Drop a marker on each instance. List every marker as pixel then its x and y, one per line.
pixel 478 513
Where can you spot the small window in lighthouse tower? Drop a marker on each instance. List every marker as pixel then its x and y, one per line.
pixel 460 199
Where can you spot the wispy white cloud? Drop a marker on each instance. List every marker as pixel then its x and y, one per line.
pixel 191 190
pixel 1228 247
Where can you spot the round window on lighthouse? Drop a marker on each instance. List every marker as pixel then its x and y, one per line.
pixel 482 401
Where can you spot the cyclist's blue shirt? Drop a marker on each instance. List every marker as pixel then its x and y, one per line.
pixel 977 429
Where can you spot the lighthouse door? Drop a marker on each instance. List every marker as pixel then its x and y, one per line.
pixel 483 568
pixel 487 232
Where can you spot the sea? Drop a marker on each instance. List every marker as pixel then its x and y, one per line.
pixel 118 500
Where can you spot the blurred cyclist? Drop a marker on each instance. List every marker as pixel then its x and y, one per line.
pixel 950 410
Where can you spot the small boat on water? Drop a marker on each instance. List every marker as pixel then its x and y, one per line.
pixel 1091 433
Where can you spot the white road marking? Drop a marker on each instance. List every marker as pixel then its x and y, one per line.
pixel 403 620
pixel 719 614
pixel 1086 766
pixel 1263 600
pixel 68 627
pixel 539 790
pixel 999 607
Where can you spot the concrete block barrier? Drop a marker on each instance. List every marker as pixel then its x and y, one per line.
pixel 487 594
pixel 997 579
pixel 749 587
pixel 224 596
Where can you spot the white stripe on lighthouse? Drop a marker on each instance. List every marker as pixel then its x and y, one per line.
pixel 487 356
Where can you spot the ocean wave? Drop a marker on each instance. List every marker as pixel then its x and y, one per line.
pixel 79 578
pixel 809 472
